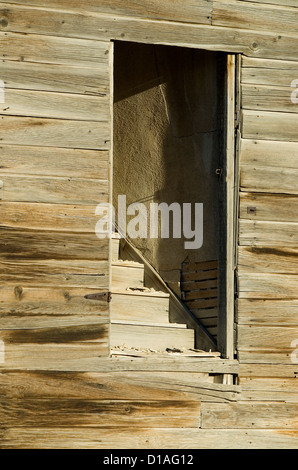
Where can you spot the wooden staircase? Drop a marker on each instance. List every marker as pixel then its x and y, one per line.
pixel 140 309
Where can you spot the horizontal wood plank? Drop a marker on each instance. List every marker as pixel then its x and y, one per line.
pixel 263 259
pixel 88 333
pixel 199 275
pixel 268 286
pixel 269 207
pixel 18 159
pixel 157 363
pixel 50 217
pixel 202 303
pixel 55 133
pixel 268 98
pixel 267 312
pixel 257 416
pixel 244 15
pixel 252 43
pixel 270 154
pixel 267 357
pixel 137 385
pixel 50 355
pixel 53 50
pixel 99 413
pixel 157 337
pixel 198 285
pixel 147 438
pixel 266 337
pixel 18 17
pixel 269 179
pixel 201 294
pixel 72 273
pixel 268 72
pixel 19 303
pixel 40 104
pixel 267 233
pixel 65 78
pixel 268 370
pixel 269 389
pixel 289 3
pixel 43 321
pixel 126 305
pixel 52 245
pixel 269 125
pixel 61 190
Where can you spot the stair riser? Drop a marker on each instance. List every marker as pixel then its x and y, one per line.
pixel 124 277
pixel 139 308
pixel 158 338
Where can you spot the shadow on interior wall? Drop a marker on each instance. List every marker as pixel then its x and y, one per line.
pixel 166 144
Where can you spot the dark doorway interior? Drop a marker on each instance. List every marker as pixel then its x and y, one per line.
pixel 169 141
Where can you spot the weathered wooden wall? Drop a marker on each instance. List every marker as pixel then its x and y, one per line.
pixel 55 133
pixel 55 140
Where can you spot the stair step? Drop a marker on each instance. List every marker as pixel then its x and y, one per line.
pixel 144 323
pixel 157 337
pixel 127 274
pixel 136 305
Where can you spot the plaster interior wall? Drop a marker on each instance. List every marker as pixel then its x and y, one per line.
pixel 168 125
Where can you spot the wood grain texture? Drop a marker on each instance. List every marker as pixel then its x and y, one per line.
pixel 61 355
pixel 276 259
pixel 251 43
pixel 257 416
pixel 54 190
pixel 147 438
pixel 47 220
pixel 144 336
pixel 24 303
pixel 50 217
pixel 277 357
pixel 278 73
pixel 54 50
pixel 268 233
pixel 268 370
pixel 266 125
pixel 157 363
pixel 267 312
pixel 269 179
pixel 18 159
pixel 268 98
pixel 103 413
pixel 72 273
pixel 273 389
pixel 52 245
pixel 72 334
pixel 263 153
pixel 64 78
pixel 61 190
pixel 266 337
pixel 18 17
pixel 115 385
pixel 269 207
pixel 76 107
pixel 23 322
pixel 267 286
pixel 289 3
pixel 55 133
pixel 244 15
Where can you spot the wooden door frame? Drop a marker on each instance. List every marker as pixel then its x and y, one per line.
pixel 226 316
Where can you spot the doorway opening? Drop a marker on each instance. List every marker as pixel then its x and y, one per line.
pixel 170 120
